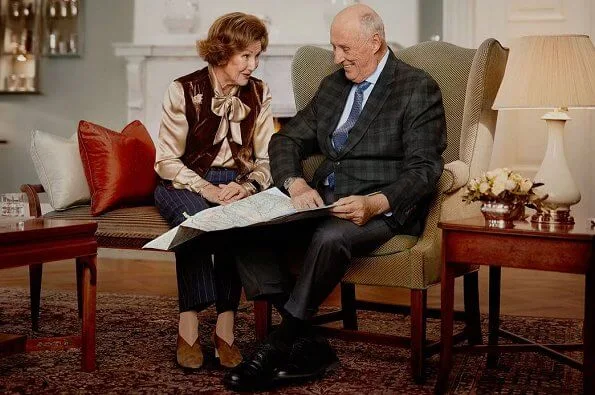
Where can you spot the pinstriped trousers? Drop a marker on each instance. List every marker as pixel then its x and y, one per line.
pixel 201 280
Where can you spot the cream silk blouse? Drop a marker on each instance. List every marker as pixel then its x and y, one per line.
pixel 174 130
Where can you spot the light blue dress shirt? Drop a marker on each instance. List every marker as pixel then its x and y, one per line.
pixel 372 80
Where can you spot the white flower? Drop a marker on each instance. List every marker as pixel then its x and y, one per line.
pixel 510 185
pixel 492 174
pixel 500 184
pixel 501 178
pixel 498 187
pixel 526 184
pixel 516 177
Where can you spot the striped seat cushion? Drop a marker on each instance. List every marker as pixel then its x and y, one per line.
pixel 130 227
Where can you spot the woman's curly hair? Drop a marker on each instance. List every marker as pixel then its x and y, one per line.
pixel 230 34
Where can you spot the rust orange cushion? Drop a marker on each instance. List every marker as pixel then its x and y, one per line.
pixel 118 166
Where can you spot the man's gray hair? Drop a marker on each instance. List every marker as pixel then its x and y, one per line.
pixel 372 23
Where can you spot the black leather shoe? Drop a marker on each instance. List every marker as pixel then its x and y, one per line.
pixel 310 358
pixel 258 371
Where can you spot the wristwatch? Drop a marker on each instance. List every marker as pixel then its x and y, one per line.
pixel 288 181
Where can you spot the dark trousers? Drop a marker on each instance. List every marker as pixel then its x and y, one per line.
pixel 325 247
pixel 201 280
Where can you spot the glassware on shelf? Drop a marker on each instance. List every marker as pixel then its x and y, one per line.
pixel 53 42
pixel 15 9
pixel 13 44
pixel 74 8
pixel 30 84
pixel 26 42
pixel 19 37
pixel 64 8
pixel 12 82
pixel 72 43
pixel 52 9
pixel 22 83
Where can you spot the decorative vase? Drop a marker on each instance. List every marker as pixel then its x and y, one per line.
pixel 502 214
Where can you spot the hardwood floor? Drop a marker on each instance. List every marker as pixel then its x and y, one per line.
pixel 524 292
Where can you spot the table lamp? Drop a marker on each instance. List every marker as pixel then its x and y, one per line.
pixel 554 73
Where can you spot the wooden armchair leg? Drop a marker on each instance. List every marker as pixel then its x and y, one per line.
pixel 262 318
pixel 35 274
pixel 419 299
pixel 472 316
pixel 79 287
pixel 348 306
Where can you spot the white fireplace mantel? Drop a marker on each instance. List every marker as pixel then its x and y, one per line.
pixel 151 68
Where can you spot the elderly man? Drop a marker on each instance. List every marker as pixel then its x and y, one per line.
pixel 380 125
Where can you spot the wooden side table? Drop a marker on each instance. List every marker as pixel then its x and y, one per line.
pixel 34 241
pixel 525 246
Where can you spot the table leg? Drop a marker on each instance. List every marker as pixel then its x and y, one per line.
pixel 447 297
pixel 89 283
pixel 494 313
pixel 35 275
pixel 589 332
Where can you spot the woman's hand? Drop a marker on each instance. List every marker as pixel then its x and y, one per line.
pixel 232 192
pixel 211 193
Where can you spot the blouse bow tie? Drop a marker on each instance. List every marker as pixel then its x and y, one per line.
pixel 232 111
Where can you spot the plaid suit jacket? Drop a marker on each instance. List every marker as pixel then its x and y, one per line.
pixel 395 147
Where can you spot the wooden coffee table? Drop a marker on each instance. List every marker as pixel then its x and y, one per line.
pixel 525 245
pixel 36 241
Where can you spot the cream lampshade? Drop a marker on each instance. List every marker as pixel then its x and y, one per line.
pixel 553 73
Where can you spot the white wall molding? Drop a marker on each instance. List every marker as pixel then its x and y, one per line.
pixel 149 68
pixel 545 10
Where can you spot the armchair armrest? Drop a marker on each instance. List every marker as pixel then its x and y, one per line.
pixel 33 191
pixel 457 172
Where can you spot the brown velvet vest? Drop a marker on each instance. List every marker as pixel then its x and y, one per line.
pixel 203 124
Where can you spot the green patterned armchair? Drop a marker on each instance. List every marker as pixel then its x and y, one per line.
pixel 469 80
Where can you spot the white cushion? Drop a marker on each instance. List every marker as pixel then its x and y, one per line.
pixel 59 167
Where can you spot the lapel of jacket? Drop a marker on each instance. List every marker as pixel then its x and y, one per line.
pixel 373 105
pixel 329 121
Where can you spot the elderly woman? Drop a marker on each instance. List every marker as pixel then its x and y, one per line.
pixel 212 150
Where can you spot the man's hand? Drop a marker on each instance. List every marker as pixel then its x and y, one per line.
pixel 359 209
pixel 303 196
pixel 231 192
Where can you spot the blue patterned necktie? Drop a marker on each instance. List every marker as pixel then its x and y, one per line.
pixel 340 135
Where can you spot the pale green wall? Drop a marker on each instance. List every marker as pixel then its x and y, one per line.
pixel 92 87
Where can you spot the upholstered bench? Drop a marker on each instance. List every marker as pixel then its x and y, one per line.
pixel 126 228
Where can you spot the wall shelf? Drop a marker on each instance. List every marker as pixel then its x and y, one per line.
pixel 20 92
pixel 20 22
pixel 62 27
pixel 30 29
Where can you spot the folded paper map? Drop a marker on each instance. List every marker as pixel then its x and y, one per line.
pixel 268 207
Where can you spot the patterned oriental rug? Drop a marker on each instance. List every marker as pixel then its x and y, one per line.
pixel 135 353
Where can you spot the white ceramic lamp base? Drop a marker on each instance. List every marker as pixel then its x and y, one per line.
pixel 558 184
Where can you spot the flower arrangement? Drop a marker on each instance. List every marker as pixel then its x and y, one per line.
pixel 501 185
